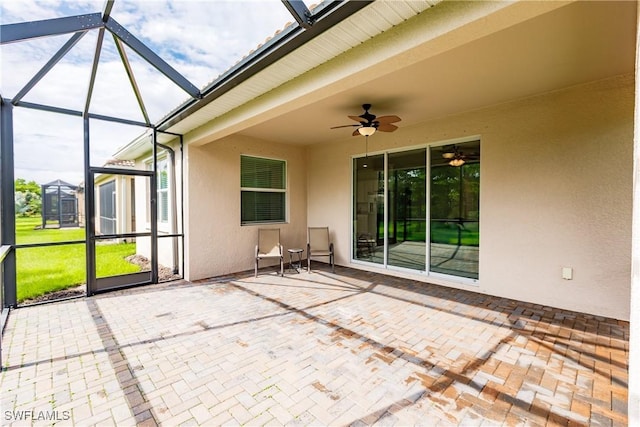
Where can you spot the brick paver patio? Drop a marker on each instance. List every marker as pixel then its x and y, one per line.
pixel 351 348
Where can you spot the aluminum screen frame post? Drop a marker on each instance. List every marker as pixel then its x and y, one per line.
pixel 89 213
pixel 153 201
pixel 8 207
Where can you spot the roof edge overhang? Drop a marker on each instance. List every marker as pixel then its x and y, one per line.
pixel 136 148
pixel 450 25
pixel 325 16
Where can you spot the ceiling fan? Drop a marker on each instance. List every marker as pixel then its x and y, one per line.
pixel 456 157
pixel 369 123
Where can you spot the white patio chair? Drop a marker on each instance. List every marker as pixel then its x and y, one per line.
pixel 269 247
pixel 319 245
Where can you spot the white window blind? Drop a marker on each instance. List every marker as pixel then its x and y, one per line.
pixel 263 190
pixel 163 191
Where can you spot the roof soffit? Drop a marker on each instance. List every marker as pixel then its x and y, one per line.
pixel 364 25
pixel 360 49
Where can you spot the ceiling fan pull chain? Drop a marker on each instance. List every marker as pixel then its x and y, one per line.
pixel 366 151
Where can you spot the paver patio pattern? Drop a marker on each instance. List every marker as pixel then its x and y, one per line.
pixel 350 348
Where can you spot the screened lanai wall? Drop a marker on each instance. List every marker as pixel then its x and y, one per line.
pixel 91 240
pixel 143 177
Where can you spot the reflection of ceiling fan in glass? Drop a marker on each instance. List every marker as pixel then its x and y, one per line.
pixel 456 157
pixel 369 123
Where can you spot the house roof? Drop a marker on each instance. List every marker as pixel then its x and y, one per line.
pixel 59 183
pixel 121 163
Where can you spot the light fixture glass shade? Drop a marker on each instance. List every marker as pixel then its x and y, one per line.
pixel 457 162
pixel 366 130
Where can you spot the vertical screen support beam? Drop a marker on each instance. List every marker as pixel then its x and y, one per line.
pixel 182 200
pixel 43 206
pixel 8 208
pixel 154 210
pixel 89 213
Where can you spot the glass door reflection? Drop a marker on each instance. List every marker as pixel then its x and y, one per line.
pixel 368 212
pixel 455 209
pixel 406 192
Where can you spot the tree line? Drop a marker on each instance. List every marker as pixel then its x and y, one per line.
pixel 28 198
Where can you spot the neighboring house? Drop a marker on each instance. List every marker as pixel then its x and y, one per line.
pixel 59 204
pixel 137 198
pixel 122 206
pixel 538 99
pixel 115 202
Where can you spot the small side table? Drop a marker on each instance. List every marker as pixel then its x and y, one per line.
pixel 295 264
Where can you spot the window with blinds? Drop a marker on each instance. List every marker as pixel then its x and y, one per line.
pixel 263 185
pixel 163 191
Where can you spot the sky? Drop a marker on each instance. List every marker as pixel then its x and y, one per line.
pixel 200 39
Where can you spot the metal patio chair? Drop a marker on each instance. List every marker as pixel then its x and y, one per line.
pixel 319 245
pixel 269 247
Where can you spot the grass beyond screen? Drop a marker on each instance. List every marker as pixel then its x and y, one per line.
pixel 52 268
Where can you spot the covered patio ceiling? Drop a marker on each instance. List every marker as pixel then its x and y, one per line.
pixel 484 61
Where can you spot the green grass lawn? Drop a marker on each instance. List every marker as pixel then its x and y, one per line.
pixel 440 232
pixel 448 233
pixel 47 269
pixel 26 232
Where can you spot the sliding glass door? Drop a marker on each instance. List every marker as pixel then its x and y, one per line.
pixel 368 212
pixel 402 200
pixel 407 209
pixel 455 210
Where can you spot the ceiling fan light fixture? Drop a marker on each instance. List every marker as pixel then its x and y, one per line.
pixel 366 130
pixel 457 162
pixel 448 155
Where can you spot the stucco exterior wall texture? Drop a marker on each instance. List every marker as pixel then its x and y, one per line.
pixel 216 242
pixel 556 191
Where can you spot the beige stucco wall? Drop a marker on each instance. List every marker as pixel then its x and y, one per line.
pixel 634 321
pixel 556 190
pixel 216 243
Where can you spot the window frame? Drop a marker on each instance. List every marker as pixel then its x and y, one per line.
pixel 284 191
pixel 163 226
pixel 357 207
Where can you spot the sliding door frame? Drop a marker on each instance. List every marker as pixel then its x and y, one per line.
pixel 385 264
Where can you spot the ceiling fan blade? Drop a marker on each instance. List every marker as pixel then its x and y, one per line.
pixel 383 120
pixel 387 127
pixel 343 126
pixel 358 119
